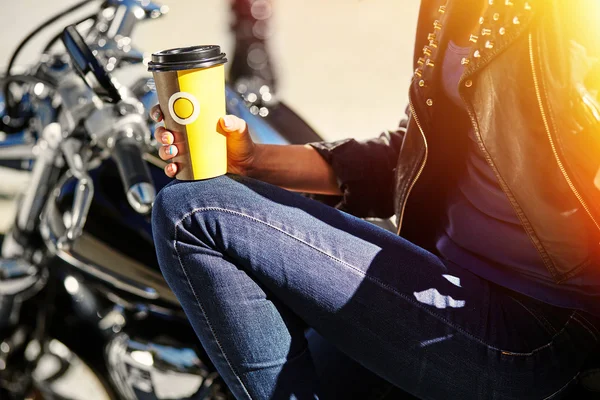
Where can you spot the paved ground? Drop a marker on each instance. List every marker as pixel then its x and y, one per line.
pixel 343 64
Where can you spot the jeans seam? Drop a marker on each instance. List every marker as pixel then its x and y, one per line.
pixel 204 313
pixel 375 280
pixel 589 323
pixel 275 363
pixel 387 391
pixel 549 397
pixel 586 328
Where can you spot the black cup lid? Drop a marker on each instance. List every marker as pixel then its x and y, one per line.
pixel 187 58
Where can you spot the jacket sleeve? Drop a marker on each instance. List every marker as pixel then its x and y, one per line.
pixel 365 172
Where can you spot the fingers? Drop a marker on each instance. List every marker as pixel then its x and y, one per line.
pixel 167 152
pixel 166 139
pixel 156 113
pixel 233 124
pixel 229 124
pixel 163 136
pixel 171 170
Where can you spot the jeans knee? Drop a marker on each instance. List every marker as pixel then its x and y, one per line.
pixel 179 198
pixel 165 204
pixel 174 203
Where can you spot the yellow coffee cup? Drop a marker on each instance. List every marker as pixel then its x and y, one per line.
pixel 190 83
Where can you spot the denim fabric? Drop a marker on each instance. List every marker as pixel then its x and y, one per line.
pixel 253 265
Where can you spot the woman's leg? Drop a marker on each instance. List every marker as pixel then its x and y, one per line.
pixel 252 264
pixel 341 377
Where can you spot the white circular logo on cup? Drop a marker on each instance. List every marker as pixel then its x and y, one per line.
pixel 184 108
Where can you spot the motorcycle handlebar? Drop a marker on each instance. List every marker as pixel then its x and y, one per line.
pixel 135 175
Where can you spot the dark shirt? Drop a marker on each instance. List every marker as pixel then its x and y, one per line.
pixel 482 233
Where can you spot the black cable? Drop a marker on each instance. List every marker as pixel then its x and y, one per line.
pixel 9 106
pixel 59 34
pixel 41 27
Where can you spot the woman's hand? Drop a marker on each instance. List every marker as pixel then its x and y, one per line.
pixel 294 167
pixel 241 150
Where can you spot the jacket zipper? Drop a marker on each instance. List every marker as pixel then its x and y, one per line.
pixel 416 178
pixel 547 127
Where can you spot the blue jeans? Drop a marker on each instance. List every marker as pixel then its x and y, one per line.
pixel 253 265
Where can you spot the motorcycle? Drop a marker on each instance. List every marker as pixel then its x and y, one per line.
pixel 84 310
pixel 82 298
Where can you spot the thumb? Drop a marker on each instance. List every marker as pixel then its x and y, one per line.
pixel 233 127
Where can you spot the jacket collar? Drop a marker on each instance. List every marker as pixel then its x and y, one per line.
pixel 501 25
pixel 503 22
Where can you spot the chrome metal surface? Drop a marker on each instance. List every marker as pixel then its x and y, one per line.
pixel 115 53
pixel 77 99
pixel 17 152
pixel 110 37
pixel 36 193
pixel 19 281
pixel 61 374
pixel 81 205
pixel 127 13
pixel 18 277
pixel 141 197
pixel 110 276
pixel 99 260
pixel 151 370
pixel 107 123
pixel 11 249
pixel 72 151
pixel 84 193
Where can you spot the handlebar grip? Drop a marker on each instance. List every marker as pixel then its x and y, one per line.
pixel 135 174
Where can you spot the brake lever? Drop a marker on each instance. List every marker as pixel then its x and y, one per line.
pixel 84 193
pixel 71 149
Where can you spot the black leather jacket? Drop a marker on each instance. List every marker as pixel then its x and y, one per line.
pixel 528 87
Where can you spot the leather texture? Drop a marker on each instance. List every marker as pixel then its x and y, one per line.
pixel 529 87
